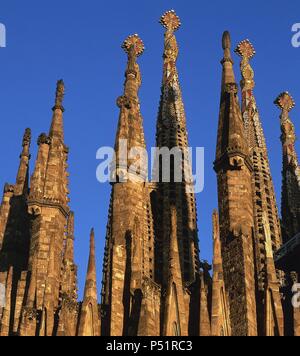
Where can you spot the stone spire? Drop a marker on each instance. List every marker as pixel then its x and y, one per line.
pixel 129 289
pixel 91 278
pixel 253 127
pixel 57 190
pixel 234 172
pixel 49 181
pixel 171 132
pixel 130 133
pixel 49 210
pixel 89 324
pixel 227 62
pixel 264 198
pixel 232 144
pixel 38 177
pixel 291 170
pixel 14 224
pixel 21 186
pixel 56 129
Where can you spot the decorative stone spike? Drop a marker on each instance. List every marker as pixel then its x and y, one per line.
pixel 285 101
pixel 226 41
pixel 170 21
pixel 134 40
pixel 245 49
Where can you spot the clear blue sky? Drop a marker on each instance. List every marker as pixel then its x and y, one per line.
pixel 79 41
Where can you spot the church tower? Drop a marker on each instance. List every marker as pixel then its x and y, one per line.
pixel 49 210
pixel 288 255
pixel 291 170
pixel 175 201
pixel 234 175
pixel 130 297
pixel 264 199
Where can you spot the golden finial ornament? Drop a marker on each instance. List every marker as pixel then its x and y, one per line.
pixel 285 102
pixel 136 42
pixel 170 21
pixel 245 49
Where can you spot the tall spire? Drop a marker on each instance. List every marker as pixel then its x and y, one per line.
pixel 134 47
pixel 91 278
pixel 171 23
pixel 264 198
pixel 48 204
pixel 291 169
pixel 56 129
pixel 89 320
pixel 252 123
pixel 50 178
pixel 130 236
pixel 14 225
pixel 234 172
pixel 227 61
pixel 21 186
pixel 175 197
pixel 130 133
pixel 172 133
pixel 232 143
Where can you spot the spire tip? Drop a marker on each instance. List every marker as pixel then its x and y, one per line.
pixel 27 137
pixel 285 101
pixel 226 40
pixel 136 42
pixel 170 20
pixel 245 49
pixel 60 92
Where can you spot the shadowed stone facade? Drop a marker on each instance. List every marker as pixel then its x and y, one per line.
pixel 154 282
pixel 37 243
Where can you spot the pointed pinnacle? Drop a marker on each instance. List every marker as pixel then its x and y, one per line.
pixel 27 137
pixel 91 265
pixel 170 20
pixel 226 40
pixel 59 96
pixel 245 49
pixel 91 277
pixel 285 102
pixel 136 42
